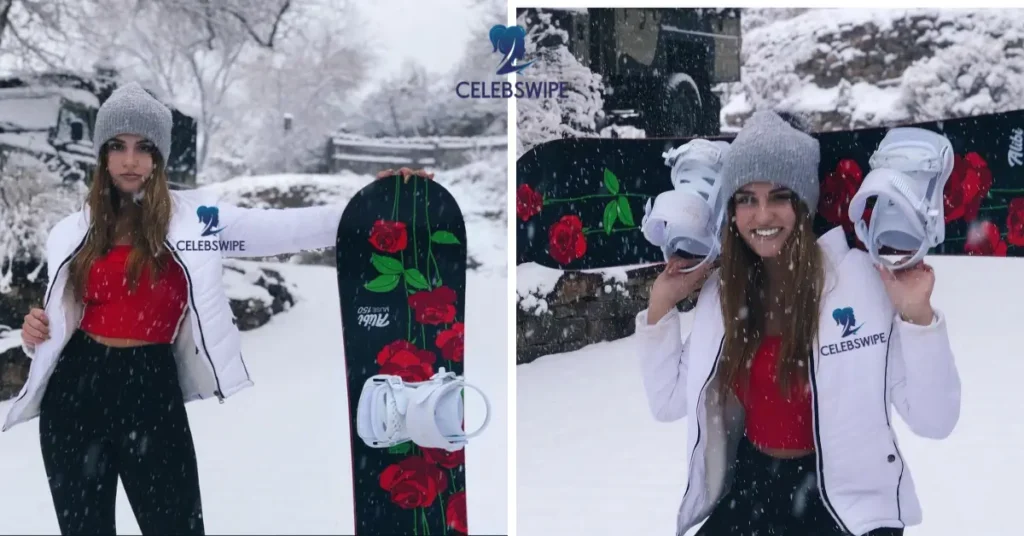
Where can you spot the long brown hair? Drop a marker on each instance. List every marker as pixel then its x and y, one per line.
pixel 742 299
pixel 149 220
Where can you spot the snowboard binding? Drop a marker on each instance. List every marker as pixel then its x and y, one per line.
pixel 681 221
pixel 908 174
pixel 429 413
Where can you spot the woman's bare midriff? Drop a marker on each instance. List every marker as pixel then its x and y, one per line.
pixel 785 453
pixel 118 343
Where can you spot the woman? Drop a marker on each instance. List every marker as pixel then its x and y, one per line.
pixel 798 347
pixel 136 323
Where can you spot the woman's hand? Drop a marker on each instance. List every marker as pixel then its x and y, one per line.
pixel 406 173
pixel 910 290
pixel 673 286
pixel 36 328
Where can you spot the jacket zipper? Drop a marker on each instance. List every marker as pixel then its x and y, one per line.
pixel 46 301
pixel 819 456
pixel 888 424
pixel 195 311
pixel 700 405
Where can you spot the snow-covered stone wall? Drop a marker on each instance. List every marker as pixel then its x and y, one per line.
pixel 855 68
pixel 560 311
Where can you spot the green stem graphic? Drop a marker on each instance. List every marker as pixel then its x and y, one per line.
pixel 451 473
pixel 444 519
pixel 430 243
pixel 426 526
pixel 437 270
pixel 398 191
pixel 994 207
pixel 592 196
pixel 415 245
pixel 619 230
pixel 408 308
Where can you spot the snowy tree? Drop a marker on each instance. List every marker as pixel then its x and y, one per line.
pixel 403 105
pixel 575 114
pixel 32 200
pixel 309 79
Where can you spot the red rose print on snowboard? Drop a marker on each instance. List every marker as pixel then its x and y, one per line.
pixel 566 242
pixel 451 342
pixel 389 236
pixel 444 458
pixel 528 202
pixel 456 512
pixel 838 190
pixel 966 188
pixel 413 482
pixel 404 359
pixel 1015 222
pixel 434 306
pixel 983 239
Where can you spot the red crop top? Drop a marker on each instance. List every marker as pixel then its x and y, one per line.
pixel 771 420
pixel 151 313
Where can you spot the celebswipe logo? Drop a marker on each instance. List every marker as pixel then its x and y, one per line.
pixel 847 321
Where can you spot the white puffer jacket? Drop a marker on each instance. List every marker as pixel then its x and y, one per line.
pixel 207 345
pixel 858 371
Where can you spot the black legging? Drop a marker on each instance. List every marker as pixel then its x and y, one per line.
pixel 110 412
pixel 774 497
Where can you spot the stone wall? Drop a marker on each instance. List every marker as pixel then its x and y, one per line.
pixel 583 308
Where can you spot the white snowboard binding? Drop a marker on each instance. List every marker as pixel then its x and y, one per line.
pixel 908 174
pixel 681 221
pixel 430 413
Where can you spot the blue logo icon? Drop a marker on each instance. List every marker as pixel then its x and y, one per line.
pixel 510 41
pixel 844 317
pixel 210 218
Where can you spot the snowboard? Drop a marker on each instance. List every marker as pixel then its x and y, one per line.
pixel 580 201
pixel 401 267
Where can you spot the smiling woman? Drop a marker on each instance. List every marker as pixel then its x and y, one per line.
pixel 765 402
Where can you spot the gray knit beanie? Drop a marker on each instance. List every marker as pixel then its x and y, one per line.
pixel 130 110
pixel 770 149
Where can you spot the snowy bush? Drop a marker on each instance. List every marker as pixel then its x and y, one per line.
pixel 975 76
pixel 32 200
pixel 574 115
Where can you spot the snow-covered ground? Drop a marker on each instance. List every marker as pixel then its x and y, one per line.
pixel 592 460
pixel 274 459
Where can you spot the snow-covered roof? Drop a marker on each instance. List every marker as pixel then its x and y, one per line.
pixel 80 96
pixel 29 112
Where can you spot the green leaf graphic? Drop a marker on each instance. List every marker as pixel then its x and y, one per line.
pixel 416 279
pixel 443 237
pixel 611 181
pixel 401 448
pixel 386 265
pixel 611 213
pixel 383 283
pixel 625 213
